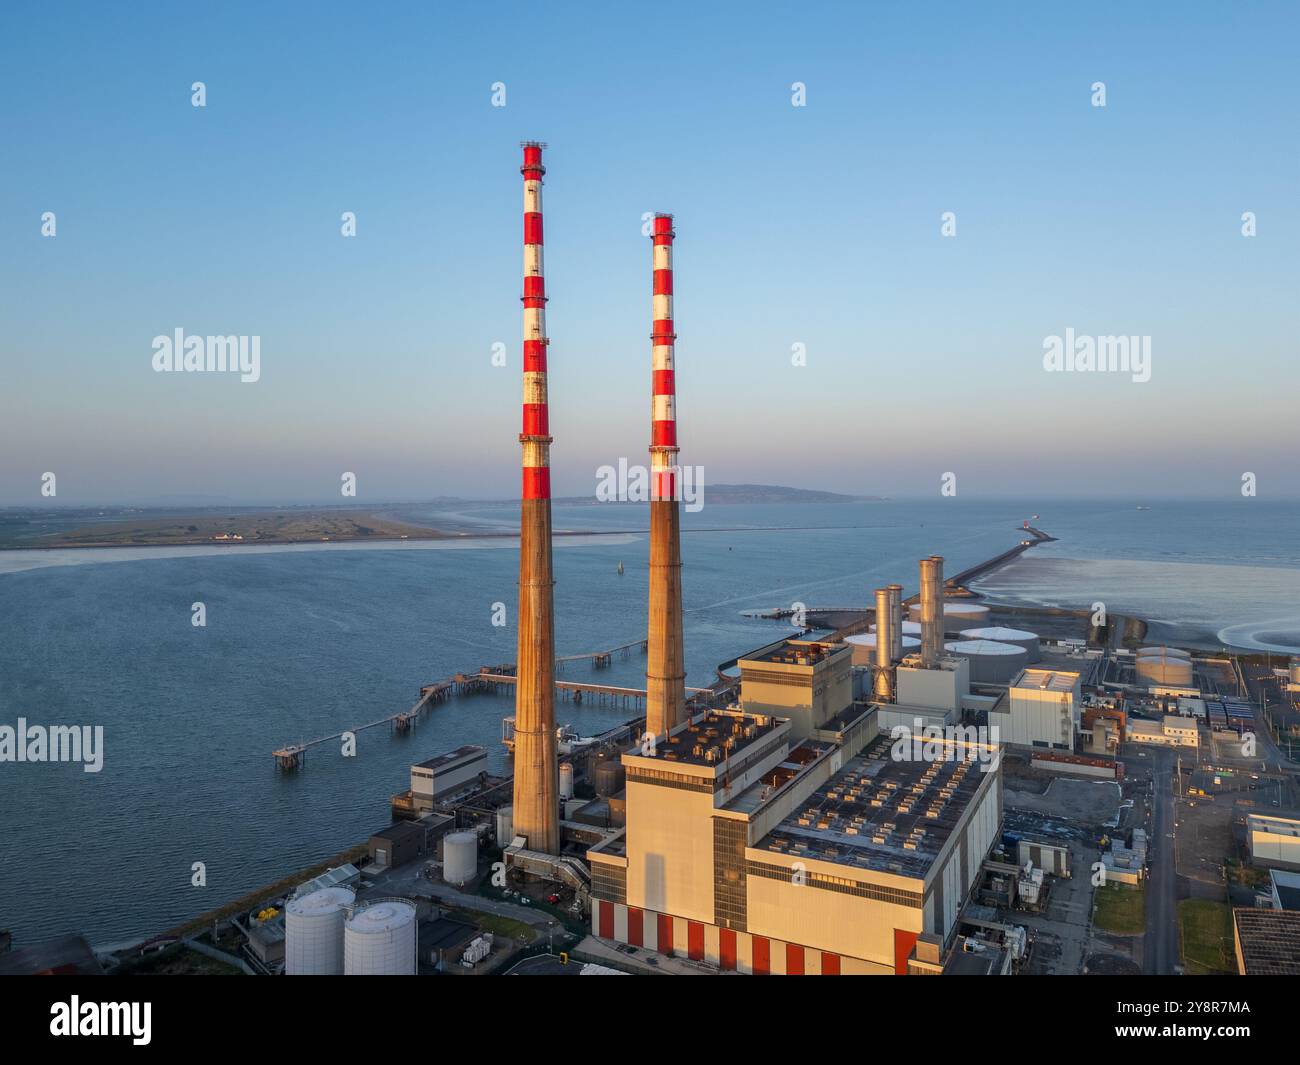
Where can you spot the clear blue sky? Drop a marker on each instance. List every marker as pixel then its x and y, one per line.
pixel 817 225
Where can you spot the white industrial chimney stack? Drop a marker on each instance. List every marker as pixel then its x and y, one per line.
pixel 931 610
pixel 884 686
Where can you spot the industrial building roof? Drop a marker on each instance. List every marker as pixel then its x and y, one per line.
pixel 712 738
pixel 1287 888
pixel 1054 680
pixel 1278 824
pixel 1268 941
pixel 65 955
pixel 339 876
pixel 464 753
pixel 776 778
pixel 797 652
pixel 396 833
pixel 881 814
pixel 444 933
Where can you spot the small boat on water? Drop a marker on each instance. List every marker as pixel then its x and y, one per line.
pixel 620 569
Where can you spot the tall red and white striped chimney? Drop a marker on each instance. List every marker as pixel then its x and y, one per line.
pixel 536 782
pixel 665 662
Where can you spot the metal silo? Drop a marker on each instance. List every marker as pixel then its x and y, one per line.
pixel 460 857
pixel 505 825
pixel 864 647
pixel 957 615
pixel 313 930
pixel 379 940
pixel 1167 652
pixel 990 662
pixel 1165 669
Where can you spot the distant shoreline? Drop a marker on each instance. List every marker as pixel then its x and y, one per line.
pixel 424 535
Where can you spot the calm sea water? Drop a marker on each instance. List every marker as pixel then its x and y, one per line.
pixel 305 641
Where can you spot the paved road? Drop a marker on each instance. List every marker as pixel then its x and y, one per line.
pixel 1160 945
pixel 406 880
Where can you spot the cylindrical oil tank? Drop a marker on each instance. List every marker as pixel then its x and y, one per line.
pixel 609 778
pixel 990 662
pixel 910 628
pixel 864 647
pixel 505 825
pixel 379 940
pixel 460 857
pixel 1001 634
pixel 1165 670
pixel 313 932
pixel 1168 652
pixel 957 615
pixel 1295 671
pixel 566 780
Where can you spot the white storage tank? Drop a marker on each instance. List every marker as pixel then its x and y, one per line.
pixel 566 780
pixel 1165 670
pixel 910 628
pixel 505 825
pixel 1295 671
pixel 379 940
pixel 1001 634
pixel 313 932
pixel 1168 652
pixel 957 615
pixel 460 857
pixel 991 662
pixel 864 647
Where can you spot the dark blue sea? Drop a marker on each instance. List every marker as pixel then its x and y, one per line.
pixel 305 641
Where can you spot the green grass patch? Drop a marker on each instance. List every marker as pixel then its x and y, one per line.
pixel 1120 908
pixel 1205 932
pixel 271 891
pixel 499 926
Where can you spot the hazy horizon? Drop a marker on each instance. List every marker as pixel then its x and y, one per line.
pixel 816 226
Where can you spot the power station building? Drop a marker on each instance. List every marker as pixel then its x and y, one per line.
pixel 1041 709
pixel 808 682
pixel 791 833
pixel 757 850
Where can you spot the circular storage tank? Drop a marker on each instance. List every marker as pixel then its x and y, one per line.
pixel 460 856
pixel 379 940
pixel 1000 634
pixel 1295 671
pixel 991 662
pixel 864 648
pixel 313 932
pixel 957 615
pixel 1165 670
pixel 609 778
pixel 505 825
pixel 910 628
pixel 566 780
pixel 1166 652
